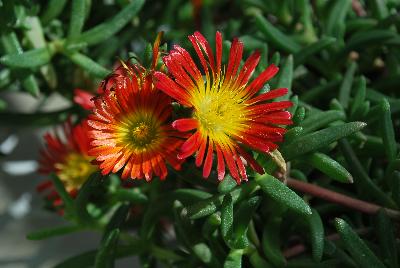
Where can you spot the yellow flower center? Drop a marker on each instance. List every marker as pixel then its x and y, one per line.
pixel 220 113
pixel 75 170
pixel 143 134
pixel 139 131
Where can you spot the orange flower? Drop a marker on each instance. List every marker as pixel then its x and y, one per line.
pixel 68 158
pixel 227 114
pixel 130 124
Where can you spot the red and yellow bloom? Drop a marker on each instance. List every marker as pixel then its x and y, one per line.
pixel 130 125
pixel 68 158
pixel 227 114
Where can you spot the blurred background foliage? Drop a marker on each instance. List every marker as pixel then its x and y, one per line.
pixel 339 199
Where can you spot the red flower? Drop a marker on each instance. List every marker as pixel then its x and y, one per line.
pixel 68 158
pixel 227 114
pixel 130 124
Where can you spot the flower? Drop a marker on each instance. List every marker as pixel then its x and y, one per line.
pixel 68 158
pixel 227 115
pixel 130 124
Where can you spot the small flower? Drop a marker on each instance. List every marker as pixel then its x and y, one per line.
pixel 228 116
pixel 130 125
pixel 68 158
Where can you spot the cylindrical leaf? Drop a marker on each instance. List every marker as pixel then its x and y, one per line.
pixel 313 141
pixel 78 14
pixel 107 29
pixel 330 167
pixel 317 235
pixel 53 9
pixel 271 242
pixel 386 238
pixel 282 194
pixel 345 88
pixel 387 130
pixel 227 218
pixel 30 59
pixel 357 248
pixel 275 36
pixel 361 178
pixel 130 195
pixel 318 120
pixel 234 259
pixel 106 254
pixel 88 64
pixel 301 56
pixel 51 232
pixel 285 77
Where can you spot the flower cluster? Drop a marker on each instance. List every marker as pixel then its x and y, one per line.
pixel 131 127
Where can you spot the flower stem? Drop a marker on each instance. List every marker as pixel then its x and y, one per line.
pixel 341 199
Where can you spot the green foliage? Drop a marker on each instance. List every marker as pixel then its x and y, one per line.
pixel 340 61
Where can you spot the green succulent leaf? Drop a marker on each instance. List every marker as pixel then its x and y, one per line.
pixel 234 259
pixel 330 167
pixel 106 254
pixel 107 29
pixel 282 194
pixel 317 235
pixel 356 246
pixel 52 232
pixel 275 36
pixel 316 140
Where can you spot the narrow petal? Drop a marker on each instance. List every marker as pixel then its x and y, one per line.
pixel 259 82
pixel 209 160
pixel 185 124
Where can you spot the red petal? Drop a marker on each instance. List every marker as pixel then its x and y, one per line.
pixel 84 99
pixel 270 107
pixel 185 124
pixel 259 82
pixel 221 164
pixel 201 152
pixel 248 69
pixel 218 47
pixel 170 88
pixel 230 162
pixel 268 95
pixel 250 160
pixel 190 146
pixel 209 160
pixel 278 117
pixel 206 47
pixel 235 56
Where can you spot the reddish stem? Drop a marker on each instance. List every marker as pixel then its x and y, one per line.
pixel 341 199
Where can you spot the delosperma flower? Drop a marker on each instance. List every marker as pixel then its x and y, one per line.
pixel 130 125
pixel 67 157
pixel 228 116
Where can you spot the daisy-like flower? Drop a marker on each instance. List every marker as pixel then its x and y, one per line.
pixel 67 157
pixel 130 124
pixel 228 116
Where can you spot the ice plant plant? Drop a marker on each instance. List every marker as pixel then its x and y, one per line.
pixel 68 158
pixel 228 116
pixel 130 124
